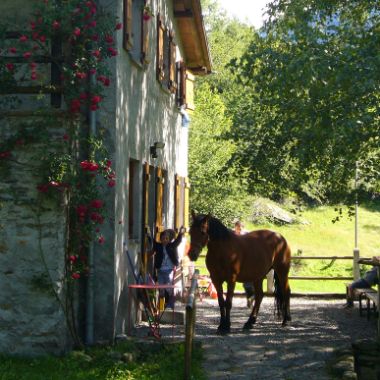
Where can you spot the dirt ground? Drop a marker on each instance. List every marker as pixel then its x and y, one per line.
pixel 299 351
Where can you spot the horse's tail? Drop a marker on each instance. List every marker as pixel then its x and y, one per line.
pixel 278 296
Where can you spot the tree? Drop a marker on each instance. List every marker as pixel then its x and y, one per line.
pixel 310 110
pixel 217 187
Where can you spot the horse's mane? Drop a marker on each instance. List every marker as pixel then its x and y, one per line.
pixel 217 230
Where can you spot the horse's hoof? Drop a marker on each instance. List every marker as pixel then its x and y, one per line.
pixel 223 331
pixel 248 326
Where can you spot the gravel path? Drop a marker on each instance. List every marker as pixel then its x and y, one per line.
pixel 269 351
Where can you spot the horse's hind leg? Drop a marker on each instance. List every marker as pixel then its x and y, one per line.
pixel 259 294
pixel 282 294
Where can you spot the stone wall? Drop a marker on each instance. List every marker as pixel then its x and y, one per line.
pixel 32 241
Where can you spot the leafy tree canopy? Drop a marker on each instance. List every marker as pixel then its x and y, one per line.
pixel 305 107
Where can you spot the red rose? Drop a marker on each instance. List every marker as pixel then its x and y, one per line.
pixel 43 188
pixel 112 51
pixel 10 66
pixel 97 203
pixel 12 50
pixel 77 32
pixel 5 154
pixel 109 39
pixel 27 54
pixel 81 210
pixel 75 105
pixel 118 26
pixel 23 38
pixel 75 276
pixel 111 183
pixel 96 99
pixel 81 75
pixel 56 25
pixel 101 239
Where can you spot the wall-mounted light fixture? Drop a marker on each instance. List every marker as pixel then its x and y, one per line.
pixel 154 147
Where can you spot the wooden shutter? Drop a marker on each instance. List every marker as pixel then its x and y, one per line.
pixel 187 204
pixel 190 79
pixel 177 202
pixel 128 36
pixel 146 180
pixel 144 40
pixel 172 85
pixel 160 49
pixel 181 83
pixel 159 202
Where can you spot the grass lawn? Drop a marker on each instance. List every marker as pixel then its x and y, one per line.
pixel 127 361
pixel 320 237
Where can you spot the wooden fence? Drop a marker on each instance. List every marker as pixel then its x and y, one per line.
pixel 355 266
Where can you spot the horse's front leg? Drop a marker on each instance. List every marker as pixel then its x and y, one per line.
pixel 222 307
pixel 228 303
pixel 259 294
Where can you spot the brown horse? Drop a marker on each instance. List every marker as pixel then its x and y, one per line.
pixel 242 258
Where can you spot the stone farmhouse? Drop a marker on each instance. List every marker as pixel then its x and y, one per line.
pixel 143 120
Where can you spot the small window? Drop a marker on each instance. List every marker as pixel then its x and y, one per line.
pixel 166 57
pixel 136 30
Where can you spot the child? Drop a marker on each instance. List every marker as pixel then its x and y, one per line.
pixel 166 259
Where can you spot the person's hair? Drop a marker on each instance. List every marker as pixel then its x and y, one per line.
pixel 168 232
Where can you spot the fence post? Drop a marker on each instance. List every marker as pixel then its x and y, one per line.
pixel 356 268
pixel 190 324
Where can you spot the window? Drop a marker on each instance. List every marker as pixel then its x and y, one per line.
pixel 136 33
pixel 166 57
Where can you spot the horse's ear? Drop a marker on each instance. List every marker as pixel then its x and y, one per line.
pixel 193 214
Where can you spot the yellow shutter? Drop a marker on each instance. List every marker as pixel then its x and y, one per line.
pixel 177 200
pixel 187 204
pixel 172 64
pixel 128 37
pixel 145 59
pixel 160 49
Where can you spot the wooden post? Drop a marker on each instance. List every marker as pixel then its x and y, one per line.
pixel 356 269
pixel 190 324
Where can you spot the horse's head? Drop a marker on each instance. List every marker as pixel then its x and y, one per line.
pixel 198 234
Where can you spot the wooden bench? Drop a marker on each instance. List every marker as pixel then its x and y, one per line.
pixel 370 296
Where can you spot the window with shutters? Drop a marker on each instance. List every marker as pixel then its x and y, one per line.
pixel 166 57
pixel 136 31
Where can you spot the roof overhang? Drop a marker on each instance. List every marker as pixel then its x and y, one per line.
pixel 188 14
